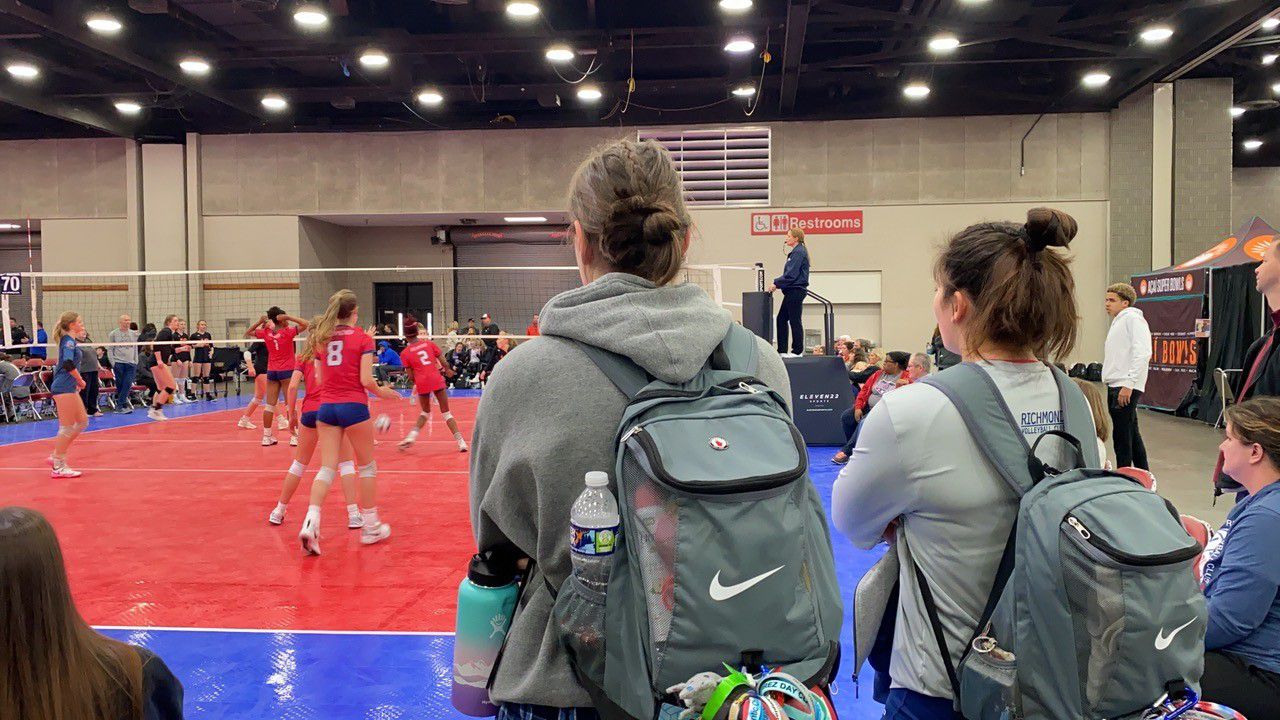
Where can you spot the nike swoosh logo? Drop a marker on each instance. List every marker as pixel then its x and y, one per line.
pixel 720 593
pixel 1163 642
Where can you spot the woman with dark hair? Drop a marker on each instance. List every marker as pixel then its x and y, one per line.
pixel 428 371
pixel 53 666
pixel 1005 302
pixel 794 284
pixel 551 416
pixel 891 376
pixel 276 330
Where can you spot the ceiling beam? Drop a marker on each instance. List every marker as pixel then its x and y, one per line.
pixel 17 96
pixel 74 34
pixel 793 52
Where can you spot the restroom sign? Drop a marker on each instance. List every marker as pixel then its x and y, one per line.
pixel 821 222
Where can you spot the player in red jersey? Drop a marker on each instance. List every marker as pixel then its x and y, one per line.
pixel 422 359
pixel 343 358
pixel 277 334
pixel 304 421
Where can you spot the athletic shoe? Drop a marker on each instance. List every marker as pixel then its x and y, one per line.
pixel 246 423
pixel 407 442
pixel 282 423
pixel 268 441
pixel 376 534
pixel 176 399
pixel 124 411
pixel 66 472
pixel 309 536
pixel 293 440
pixel 462 446
pixel 355 521
pixel 52 463
pixel 276 517
pixel 155 414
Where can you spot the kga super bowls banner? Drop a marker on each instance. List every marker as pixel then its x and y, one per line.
pixel 1172 303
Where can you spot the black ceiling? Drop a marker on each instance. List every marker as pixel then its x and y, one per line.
pixel 829 59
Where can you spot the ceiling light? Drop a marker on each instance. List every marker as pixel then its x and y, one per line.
pixel 194 66
pixel 1237 111
pixel 274 103
pixel 740 45
pixel 916 91
pixel 1271 23
pixel 374 59
pixel 1270 59
pixel 310 16
pixel 1096 79
pixel 523 9
pixel 1156 34
pixel 128 107
pixel 590 93
pixel 525 219
pixel 735 5
pixel 1276 88
pixel 101 22
pixel 560 53
pixel 22 70
pixel 944 43
pixel 430 97
pixel 1251 144
pixel 744 91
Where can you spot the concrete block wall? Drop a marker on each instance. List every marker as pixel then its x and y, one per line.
pixel 1130 186
pixel 51 179
pixel 1202 169
pixel 1255 191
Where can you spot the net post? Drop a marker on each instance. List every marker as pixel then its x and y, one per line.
pixel 717 284
pixel 400 325
pixel 4 318
pixel 759 277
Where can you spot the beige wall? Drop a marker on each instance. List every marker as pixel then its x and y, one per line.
pixel 89 246
pixel 49 179
pixel 1254 191
pixel 901 241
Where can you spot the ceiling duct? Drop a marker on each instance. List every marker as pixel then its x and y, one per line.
pixel 520 235
pixel 150 7
pixel 257 5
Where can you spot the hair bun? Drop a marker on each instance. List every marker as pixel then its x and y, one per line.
pixel 1047 227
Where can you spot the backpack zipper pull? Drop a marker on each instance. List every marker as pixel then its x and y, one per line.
pixel 631 432
pixel 1084 532
pixel 748 388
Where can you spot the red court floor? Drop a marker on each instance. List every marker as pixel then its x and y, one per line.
pixel 167 527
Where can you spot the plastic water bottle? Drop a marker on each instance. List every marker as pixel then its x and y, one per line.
pixel 593 532
pixel 486 603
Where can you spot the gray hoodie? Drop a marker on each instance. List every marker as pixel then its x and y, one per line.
pixel 548 416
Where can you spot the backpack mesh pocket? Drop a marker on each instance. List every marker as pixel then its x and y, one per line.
pixel 579 615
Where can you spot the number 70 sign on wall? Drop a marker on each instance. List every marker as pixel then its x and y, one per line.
pixel 821 222
pixel 10 284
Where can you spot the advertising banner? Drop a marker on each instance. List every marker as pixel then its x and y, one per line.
pixel 1173 303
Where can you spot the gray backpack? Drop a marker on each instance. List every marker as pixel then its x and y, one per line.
pixel 1095 610
pixel 724 555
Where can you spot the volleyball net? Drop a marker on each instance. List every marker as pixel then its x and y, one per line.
pixel 229 302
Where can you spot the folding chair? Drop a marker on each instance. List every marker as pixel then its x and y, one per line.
pixel 28 381
pixel 1224 390
pixel 106 388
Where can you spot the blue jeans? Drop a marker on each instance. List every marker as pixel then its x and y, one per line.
pixel 512 711
pixel 910 705
pixel 125 373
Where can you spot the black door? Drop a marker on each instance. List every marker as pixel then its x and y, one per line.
pixel 392 299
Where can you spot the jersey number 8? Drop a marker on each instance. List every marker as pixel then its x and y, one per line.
pixel 334 357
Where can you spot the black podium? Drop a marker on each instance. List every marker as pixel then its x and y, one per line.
pixel 820 393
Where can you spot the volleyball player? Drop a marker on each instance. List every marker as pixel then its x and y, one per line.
pixel 304 421
pixel 422 361
pixel 344 368
pixel 202 361
pixel 162 353
pixel 66 386
pixel 180 363
pixel 277 331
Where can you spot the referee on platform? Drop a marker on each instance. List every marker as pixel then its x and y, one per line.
pixel 794 283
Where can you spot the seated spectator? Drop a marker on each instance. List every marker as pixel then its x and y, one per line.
pixel 459 357
pixel 52 663
pixel 1101 418
pixel 888 378
pixel 452 334
pixel 942 357
pixel 10 372
pixel 819 350
pixel 845 349
pixel 103 360
pixel 471 327
pixel 387 355
pixel 918 368
pixel 491 355
pixel 1242 569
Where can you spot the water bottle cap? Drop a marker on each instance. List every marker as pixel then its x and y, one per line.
pixel 596 479
pixel 491 572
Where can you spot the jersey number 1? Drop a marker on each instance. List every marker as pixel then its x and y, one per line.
pixel 334 357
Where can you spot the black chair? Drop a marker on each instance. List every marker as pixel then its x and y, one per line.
pixel 225 368
pixel 1077 371
pixel 1093 372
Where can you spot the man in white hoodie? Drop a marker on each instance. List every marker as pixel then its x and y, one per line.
pixel 1125 361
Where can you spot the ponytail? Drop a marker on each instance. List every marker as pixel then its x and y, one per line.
pixel 341 305
pixel 64 325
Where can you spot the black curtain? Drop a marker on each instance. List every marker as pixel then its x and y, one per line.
pixel 1236 314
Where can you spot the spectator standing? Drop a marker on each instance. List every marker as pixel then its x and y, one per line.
pixel 1262 362
pixel 89 367
pixel 124 361
pixel 794 284
pixel 942 357
pixel 18 334
pixel 1242 569
pixel 471 327
pixel 533 328
pixel 51 659
pixel 1125 362
pixel 452 336
pixel 41 350
pixel 489 327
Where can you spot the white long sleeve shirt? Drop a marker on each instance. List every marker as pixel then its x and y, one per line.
pixel 1127 354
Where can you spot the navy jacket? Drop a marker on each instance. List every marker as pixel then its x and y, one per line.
pixel 796 273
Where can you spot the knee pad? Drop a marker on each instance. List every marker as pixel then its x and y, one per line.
pixel 80 426
pixel 65 430
pixel 370 470
pixel 447 416
pixel 424 415
pixel 297 468
pixel 325 475
pixel 171 390
pixel 346 467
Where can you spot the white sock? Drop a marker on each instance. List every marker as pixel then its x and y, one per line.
pixel 313 514
pixel 458 435
pixel 413 434
pixel 370 518
pixel 281 506
pixel 353 510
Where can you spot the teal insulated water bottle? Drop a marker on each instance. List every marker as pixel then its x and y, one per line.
pixel 486 604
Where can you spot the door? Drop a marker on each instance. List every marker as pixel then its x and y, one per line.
pixel 393 299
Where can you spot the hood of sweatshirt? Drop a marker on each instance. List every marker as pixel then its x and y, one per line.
pixel 669 331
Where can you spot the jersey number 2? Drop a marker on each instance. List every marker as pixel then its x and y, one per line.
pixel 334 357
pixel 426 360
